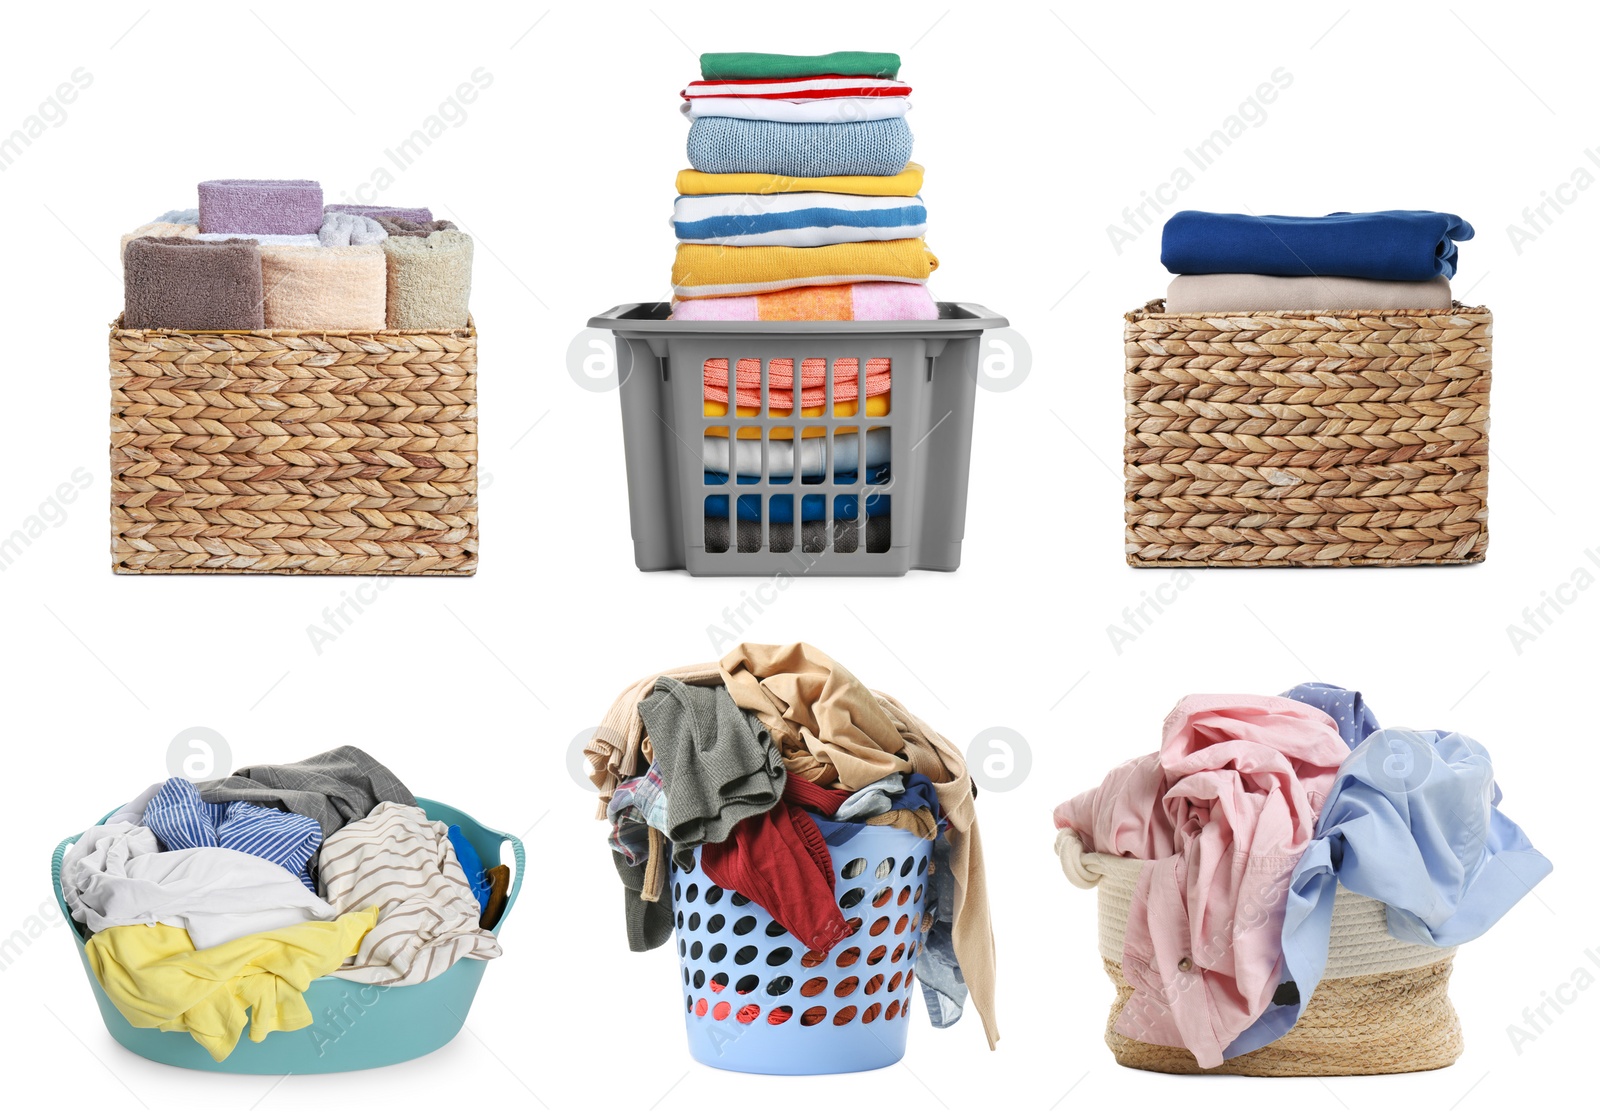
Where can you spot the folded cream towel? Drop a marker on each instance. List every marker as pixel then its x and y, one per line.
pixel 316 288
pixel 430 280
pixel 340 228
pixel 1243 291
pixel 159 228
pixel 184 284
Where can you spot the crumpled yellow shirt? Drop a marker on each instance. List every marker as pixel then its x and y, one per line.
pixel 157 978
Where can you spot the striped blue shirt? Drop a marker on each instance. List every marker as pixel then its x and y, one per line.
pixel 180 819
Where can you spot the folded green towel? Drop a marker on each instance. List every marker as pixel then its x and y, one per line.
pixel 733 65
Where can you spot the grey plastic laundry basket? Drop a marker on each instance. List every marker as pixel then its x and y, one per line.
pixel 919 491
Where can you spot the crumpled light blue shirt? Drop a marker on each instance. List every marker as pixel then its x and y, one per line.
pixel 1413 820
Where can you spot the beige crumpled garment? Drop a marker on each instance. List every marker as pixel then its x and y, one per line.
pixel 835 731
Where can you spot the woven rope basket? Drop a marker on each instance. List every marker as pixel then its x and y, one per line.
pixel 1306 439
pixel 294 452
pixel 1383 1005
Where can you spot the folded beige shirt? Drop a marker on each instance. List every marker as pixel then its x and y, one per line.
pixel 1243 291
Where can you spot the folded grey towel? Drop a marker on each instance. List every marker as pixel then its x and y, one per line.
pixel 189 217
pixel 184 284
pixel 846 535
pixel 340 229
pixel 335 787
pixel 430 280
pixel 400 227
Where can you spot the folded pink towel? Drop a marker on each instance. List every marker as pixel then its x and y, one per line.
pixel 871 300
pixel 260 206
pixel 332 288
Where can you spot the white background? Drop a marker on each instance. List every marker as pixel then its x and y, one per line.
pixel 1037 129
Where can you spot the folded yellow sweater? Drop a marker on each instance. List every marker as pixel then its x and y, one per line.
pixel 157 978
pixel 707 271
pixel 908 182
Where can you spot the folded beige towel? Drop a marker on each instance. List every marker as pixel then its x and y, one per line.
pixel 158 229
pixel 1243 291
pixel 323 288
pixel 430 280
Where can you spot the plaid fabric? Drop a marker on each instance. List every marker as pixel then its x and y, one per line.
pixel 333 788
pixel 638 805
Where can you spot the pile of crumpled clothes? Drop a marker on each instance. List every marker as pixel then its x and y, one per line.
pixel 732 764
pixel 1250 816
pixel 212 904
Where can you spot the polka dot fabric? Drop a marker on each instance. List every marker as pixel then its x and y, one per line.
pixel 756 1000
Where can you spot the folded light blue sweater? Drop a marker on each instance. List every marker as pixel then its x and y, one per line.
pixel 727 146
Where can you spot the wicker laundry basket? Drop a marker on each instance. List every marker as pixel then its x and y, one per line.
pixel 1383 1005
pixel 1306 439
pixel 294 452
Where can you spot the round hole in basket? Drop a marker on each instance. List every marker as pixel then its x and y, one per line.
pixel 839 1021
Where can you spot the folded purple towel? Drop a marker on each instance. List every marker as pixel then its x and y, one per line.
pixel 403 213
pixel 184 284
pixel 260 206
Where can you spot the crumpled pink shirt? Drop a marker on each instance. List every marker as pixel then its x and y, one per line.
pixel 1221 814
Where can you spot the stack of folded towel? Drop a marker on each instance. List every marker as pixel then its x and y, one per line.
pixel 211 907
pixel 1387 260
pixel 801 204
pixel 260 254
pixel 802 201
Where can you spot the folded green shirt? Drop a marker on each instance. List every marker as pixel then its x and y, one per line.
pixel 733 65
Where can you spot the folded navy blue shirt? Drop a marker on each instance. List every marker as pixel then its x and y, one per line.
pixel 1382 245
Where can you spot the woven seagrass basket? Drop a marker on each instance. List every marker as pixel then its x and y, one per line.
pixel 1306 439
pixel 1383 1005
pixel 294 452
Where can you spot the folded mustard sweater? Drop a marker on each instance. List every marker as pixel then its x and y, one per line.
pixel 705 271
pixel 907 182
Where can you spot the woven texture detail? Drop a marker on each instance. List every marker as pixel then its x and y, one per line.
pixel 294 452
pixel 1305 438
pixel 1393 1022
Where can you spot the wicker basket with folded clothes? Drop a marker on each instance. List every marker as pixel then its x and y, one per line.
pixel 294 389
pixel 267 923
pixel 1307 395
pixel 1282 888
pixel 809 848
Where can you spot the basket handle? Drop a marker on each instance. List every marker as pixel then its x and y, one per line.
pixel 55 877
pixel 519 858
pixel 1082 869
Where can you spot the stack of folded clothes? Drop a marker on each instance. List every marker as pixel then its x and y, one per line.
pixel 801 204
pixel 754 762
pixel 1253 813
pixel 1388 260
pixel 215 905
pixel 260 254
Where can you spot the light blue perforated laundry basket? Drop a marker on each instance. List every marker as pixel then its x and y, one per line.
pixel 756 1000
pixel 354 1026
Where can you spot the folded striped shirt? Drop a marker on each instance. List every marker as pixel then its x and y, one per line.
pixel 403 863
pixel 798 89
pixel 804 219
pixel 822 110
pixel 180 819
